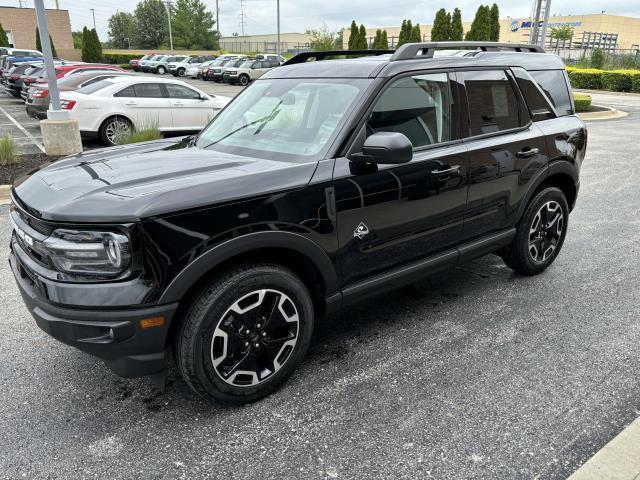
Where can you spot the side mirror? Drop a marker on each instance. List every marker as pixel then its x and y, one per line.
pixel 204 97
pixel 385 148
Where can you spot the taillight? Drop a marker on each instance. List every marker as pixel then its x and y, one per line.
pixel 41 93
pixel 67 104
pixel 14 77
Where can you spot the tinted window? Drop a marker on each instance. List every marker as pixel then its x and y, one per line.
pixel 418 106
pixel 180 91
pixel 554 85
pixel 493 104
pixel 94 87
pixel 148 90
pixel 127 92
pixel 539 105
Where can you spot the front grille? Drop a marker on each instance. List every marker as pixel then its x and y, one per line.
pixel 38 225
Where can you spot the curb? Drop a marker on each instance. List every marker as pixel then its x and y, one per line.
pixel 5 194
pixel 608 114
pixel 617 460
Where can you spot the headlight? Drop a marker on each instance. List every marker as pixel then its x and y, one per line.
pixel 88 252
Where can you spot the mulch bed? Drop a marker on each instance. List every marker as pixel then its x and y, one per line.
pixel 26 163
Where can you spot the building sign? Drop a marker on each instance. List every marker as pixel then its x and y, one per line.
pixel 517 25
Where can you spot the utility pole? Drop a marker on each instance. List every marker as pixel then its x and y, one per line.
pixel 93 12
pixel 278 12
pixel 54 112
pixel 218 19
pixel 242 16
pixel 57 5
pixel 168 4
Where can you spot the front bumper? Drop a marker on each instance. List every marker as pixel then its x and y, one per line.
pixel 113 335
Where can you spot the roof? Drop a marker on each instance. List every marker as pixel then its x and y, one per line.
pixel 386 65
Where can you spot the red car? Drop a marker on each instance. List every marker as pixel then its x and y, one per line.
pixel 135 63
pixel 70 69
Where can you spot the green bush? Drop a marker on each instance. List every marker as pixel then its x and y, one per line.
pixel 597 58
pixel 588 78
pixel 618 80
pixel 119 58
pixel 635 84
pixel 8 151
pixel 582 102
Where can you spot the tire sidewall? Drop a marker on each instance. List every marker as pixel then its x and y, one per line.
pixel 103 131
pixel 246 282
pixel 542 197
pixel 161 70
pixel 244 80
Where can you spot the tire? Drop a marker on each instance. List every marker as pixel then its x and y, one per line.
pixel 162 70
pixel 112 127
pixel 540 233
pixel 213 345
pixel 181 72
pixel 244 80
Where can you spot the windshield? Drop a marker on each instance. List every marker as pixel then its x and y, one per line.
pixel 94 87
pixel 284 119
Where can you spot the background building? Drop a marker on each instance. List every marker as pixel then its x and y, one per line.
pixel 600 29
pixel 289 42
pixel 20 25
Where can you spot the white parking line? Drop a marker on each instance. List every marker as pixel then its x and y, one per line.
pixel 23 130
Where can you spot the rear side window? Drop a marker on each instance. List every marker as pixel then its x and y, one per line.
pixel 94 87
pixel 493 104
pixel 126 92
pixel 539 105
pixel 148 90
pixel 418 107
pixel 554 85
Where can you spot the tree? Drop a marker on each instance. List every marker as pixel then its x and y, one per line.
pixel 77 40
pixel 322 39
pixel 4 41
pixel 91 48
pixel 193 25
pixel 455 31
pixel 494 15
pixel 39 44
pixel 122 29
pixel 96 45
pixel 152 23
pixel 563 33
pixel 384 41
pixel 406 32
pixel 441 30
pixel 597 58
pixel 481 26
pixel 354 34
pixel 416 34
pixel 363 42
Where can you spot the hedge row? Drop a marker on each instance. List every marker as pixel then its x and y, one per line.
pixel 118 58
pixel 614 80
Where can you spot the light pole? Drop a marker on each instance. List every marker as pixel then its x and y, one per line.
pixel 54 112
pixel 278 10
pixel 93 12
pixel 168 5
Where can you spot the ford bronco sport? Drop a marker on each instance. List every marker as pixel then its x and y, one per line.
pixel 322 183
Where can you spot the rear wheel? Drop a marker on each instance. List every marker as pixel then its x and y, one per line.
pixel 244 80
pixel 114 129
pixel 245 334
pixel 540 233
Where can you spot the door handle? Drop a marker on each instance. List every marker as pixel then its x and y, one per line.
pixel 445 174
pixel 131 103
pixel 528 152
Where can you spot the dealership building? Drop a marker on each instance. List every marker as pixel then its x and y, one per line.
pixel 20 25
pixel 593 30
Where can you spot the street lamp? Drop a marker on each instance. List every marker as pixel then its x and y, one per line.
pixel 278 10
pixel 168 4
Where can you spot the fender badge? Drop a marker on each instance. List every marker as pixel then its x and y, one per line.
pixel 361 231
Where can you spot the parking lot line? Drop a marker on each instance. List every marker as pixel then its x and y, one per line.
pixel 23 130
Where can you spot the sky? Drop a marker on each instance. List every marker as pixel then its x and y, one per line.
pixel 299 15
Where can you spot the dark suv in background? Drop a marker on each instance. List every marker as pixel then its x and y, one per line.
pixel 321 184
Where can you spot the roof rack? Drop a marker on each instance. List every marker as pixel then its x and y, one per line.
pixel 426 50
pixel 305 56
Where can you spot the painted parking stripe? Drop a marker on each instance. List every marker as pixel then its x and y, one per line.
pixel 23 130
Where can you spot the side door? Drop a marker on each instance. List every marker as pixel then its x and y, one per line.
pixel 506 150
pixel 147 105
pixel 189 110
pixel 389 215
pixel 259 69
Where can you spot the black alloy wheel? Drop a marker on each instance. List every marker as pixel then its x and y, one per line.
pixel 545 231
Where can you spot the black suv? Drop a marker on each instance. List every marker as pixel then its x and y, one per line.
pixel 321 184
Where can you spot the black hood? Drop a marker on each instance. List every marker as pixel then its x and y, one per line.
pixel 129 183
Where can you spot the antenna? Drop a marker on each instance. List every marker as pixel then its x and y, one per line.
pixel 243 16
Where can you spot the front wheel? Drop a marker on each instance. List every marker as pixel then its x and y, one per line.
pixel 244 80
pixel 181 72
pixel 540 233
pixel 245 334
pixel 162 70
pixel 114 130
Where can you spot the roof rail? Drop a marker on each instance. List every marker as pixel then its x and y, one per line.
pixel 426 50
pixel 305 56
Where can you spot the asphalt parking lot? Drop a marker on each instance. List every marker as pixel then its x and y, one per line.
pixel 475 374
pixel 25 130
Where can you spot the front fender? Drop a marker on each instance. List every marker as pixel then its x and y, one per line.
pixel 181 284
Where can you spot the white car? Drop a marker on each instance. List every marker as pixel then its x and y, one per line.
pixel 111 108
pixel 179 69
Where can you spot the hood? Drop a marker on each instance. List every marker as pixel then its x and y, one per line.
pixel 133 182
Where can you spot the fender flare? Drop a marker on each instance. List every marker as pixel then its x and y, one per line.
pixel 207 261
